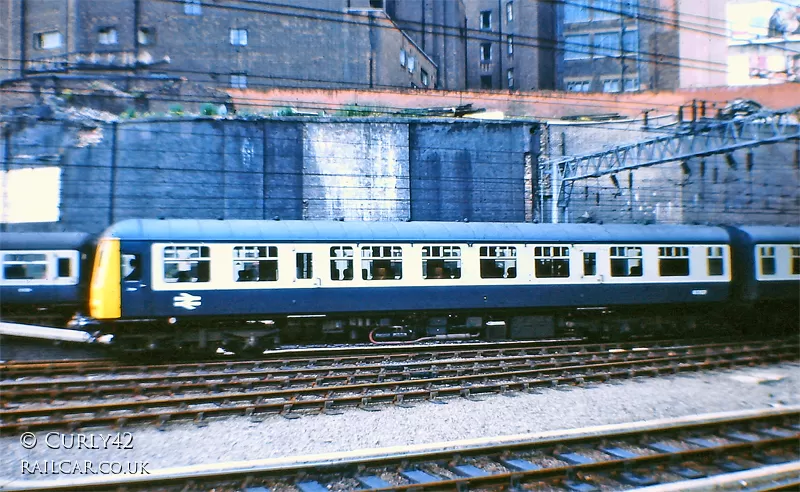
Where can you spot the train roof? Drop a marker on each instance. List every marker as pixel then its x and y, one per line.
pixel 43 240
pixel 355 232
pixel 768 234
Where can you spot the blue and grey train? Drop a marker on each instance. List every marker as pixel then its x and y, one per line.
pixel 183 282
pixel 44 275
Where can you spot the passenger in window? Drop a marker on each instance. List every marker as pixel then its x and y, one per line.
pixel 438 272
pixel 512 272
pixel 185 276
pixel 380 274
pixel 135 269
pixel 348 273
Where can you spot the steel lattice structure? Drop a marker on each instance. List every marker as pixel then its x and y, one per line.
pixel 697 139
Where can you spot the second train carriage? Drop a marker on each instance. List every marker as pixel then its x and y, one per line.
pixel 44 276
pixel 353 276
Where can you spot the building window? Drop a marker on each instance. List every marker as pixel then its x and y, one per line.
pixel 486 52
pixel 795 260
pixel 632 85
pixel 192 7
pixel 510 78
pixel 107 35
pixel 551 261
pixel 424 77
pixel 605 9
pixel 238 81
pixel 412 64
pixel 630 41
pixel 305 268
pixel 486 19
pixel 626 261
pixel 576 11
pixel 239 37
pixel 673 261
pixel 48 40
pixel 611 85
pixel 578 86
pixel 381 263
pixel 576 47
pixel 187 264
pixel 767 254
pixel 486 82
pixel 510 45
pixel 146 36
pixel 630 7
pixel 606 44
pixel 716 265
pixel 441 262
pixel 255 263
pixel 498 262
pixel 402 58
pixel 509 11
pixel 341 263
pixel 376 4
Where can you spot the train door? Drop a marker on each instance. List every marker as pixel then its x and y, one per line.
pixel 134 286
pixel 306 274
pixel 589 262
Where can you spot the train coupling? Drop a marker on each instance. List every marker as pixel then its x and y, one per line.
pixel 81 321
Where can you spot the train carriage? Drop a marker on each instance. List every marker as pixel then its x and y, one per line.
pixel 356 274
pixel 44 275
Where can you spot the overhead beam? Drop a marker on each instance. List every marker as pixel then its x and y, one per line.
pixel 700 140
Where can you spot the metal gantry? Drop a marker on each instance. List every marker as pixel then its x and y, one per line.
pixel 697 139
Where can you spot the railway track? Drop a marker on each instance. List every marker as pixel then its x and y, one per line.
pixel 302 372
pixel 316 355
pixel 750 450
pixel 288 391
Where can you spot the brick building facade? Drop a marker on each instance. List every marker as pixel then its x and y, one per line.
pixel 225 43
pixel 631 45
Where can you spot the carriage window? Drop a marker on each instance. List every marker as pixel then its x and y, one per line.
pixel 795 259
pixel 626 261
pixel 551 261
pixel 498 262
pixel 64 267
pixel 255 263
pixel 342 263
pixel 767 260
pixel 186 264
pixel 441 262
pixel 381 262
pixel 716 266
pixel 25 267
pixel 589 264
pixel 673 261
pixel 304 267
